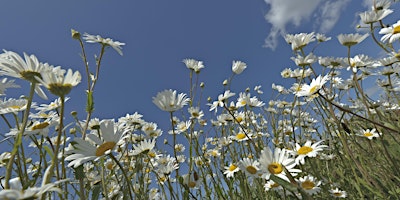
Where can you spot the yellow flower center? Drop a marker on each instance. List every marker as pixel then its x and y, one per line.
pixel 40 126
pixel 232 167
pixel 304 150
pixel 314 89
pixel 104 147
pixel 368 134
pixel 109 166
pixel 396 29
pixel 337 194
pixel 251 169
pixel 240 136
pixel 30 76
pixel 239 119
pixel 275 168
pixel 243 102
pixel 274 185
pixel 151 154
pixel 60 89
pixel 307 185
pixel 15 107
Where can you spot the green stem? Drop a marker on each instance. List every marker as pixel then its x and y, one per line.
pixel 18 139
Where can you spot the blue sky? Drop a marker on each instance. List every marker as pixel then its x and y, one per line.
pixel 160 34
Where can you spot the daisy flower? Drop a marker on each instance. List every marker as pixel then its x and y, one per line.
pixel 221 100
pixel 168 100
pixel 250 167
pixel 314 87
pixel 322 38
pixel 104 41
pixel 240 136
pixel 307 150
pixel 28 68
pixel 193 64
pixel 302 61
pixel 231 170
pixel 309 184
pixel 369 17
pixel 338 193
pixel 351 39
pixel 57 83
pixel 274 163
pixel 392 33
pixel 192 180
pixel 195 113
pixel 12 105
pixel 4 84
pixel 238 67
pixel 370 134
pixel 98 143
pixel 300 40
pixel 52 105
pixel 271 185
pixel 143 147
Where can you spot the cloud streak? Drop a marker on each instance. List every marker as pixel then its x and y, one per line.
pixel 289 12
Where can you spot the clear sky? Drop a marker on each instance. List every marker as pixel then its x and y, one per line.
pixel 160 34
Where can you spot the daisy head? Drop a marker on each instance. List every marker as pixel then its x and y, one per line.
pixel 193 64
pixel 370 133
pixel 104 41
pixel 250 167
pixel 231 170
pixel 309 184
pixel 168 100
pixel 238 67
pixel 338 193
pixel 275 163
pixel 351 39
pixel 392 33
pixel 58 83
pixel 313 88
pixel 307 150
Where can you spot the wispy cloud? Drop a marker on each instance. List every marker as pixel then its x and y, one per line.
pixel 295 12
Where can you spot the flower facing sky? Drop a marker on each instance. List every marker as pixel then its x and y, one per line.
pixel 58 83
pixel 221 100
pixel 351 39
pixel 392 33
pixel 104 41
pixel 168 100
pixel 193 64
pixel 309 184
pixel 274 163
pixel 370 133
pixel 98 143
pixel 314 87
pixel 300 40
pixel 231 170
pixel 238 67
pixel 307 150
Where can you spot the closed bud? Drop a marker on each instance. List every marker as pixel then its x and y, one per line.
pixel 75 34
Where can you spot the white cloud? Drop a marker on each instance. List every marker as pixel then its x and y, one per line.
pixel 296 12
pixel 330 14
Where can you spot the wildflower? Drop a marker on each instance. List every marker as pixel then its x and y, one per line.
pixel 300 40
pixel 221 100
pixel 231 170
pixel 191 180
pixel 250 167
pixel 194 65
pixel 314 87
pixel 309 184
pixel 57 83
pixel 167 100
pixel 12 105
pixel 52 105
pixel 181 127
pixel 304 61
pixel 351 39
pixel 392 33
pixel 307 150
pixel 369 17
pixel 240 136
pixel 370 134
pixel 276 162
pixel 243 99
pixel 322 38
pixel 28 68
pixel 271 185
pixel 195 113
pixel 98 143
pixel 238 67
pixel 143 147
pixel 338 193
pixel 4 84
pixel 104 41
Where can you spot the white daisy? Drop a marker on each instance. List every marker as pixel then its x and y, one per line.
pixel 274 163
pixel 309 184
pixel 307 150
pixel 303 61
pixel 4 84
pixel 193 64
pixel 351 39
pixel 12 105
pixel 314 87
pixel 104 41
pixel 300 40
pixel 143 147
pixel 369 17
pixel 221 100
pixel 231 170
pixel 250 167
pixel 98 143
pixel 168 100
pixel 338 193
pixel 58 83
pixel 238 67
pixel 370 134
pixel 392 33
